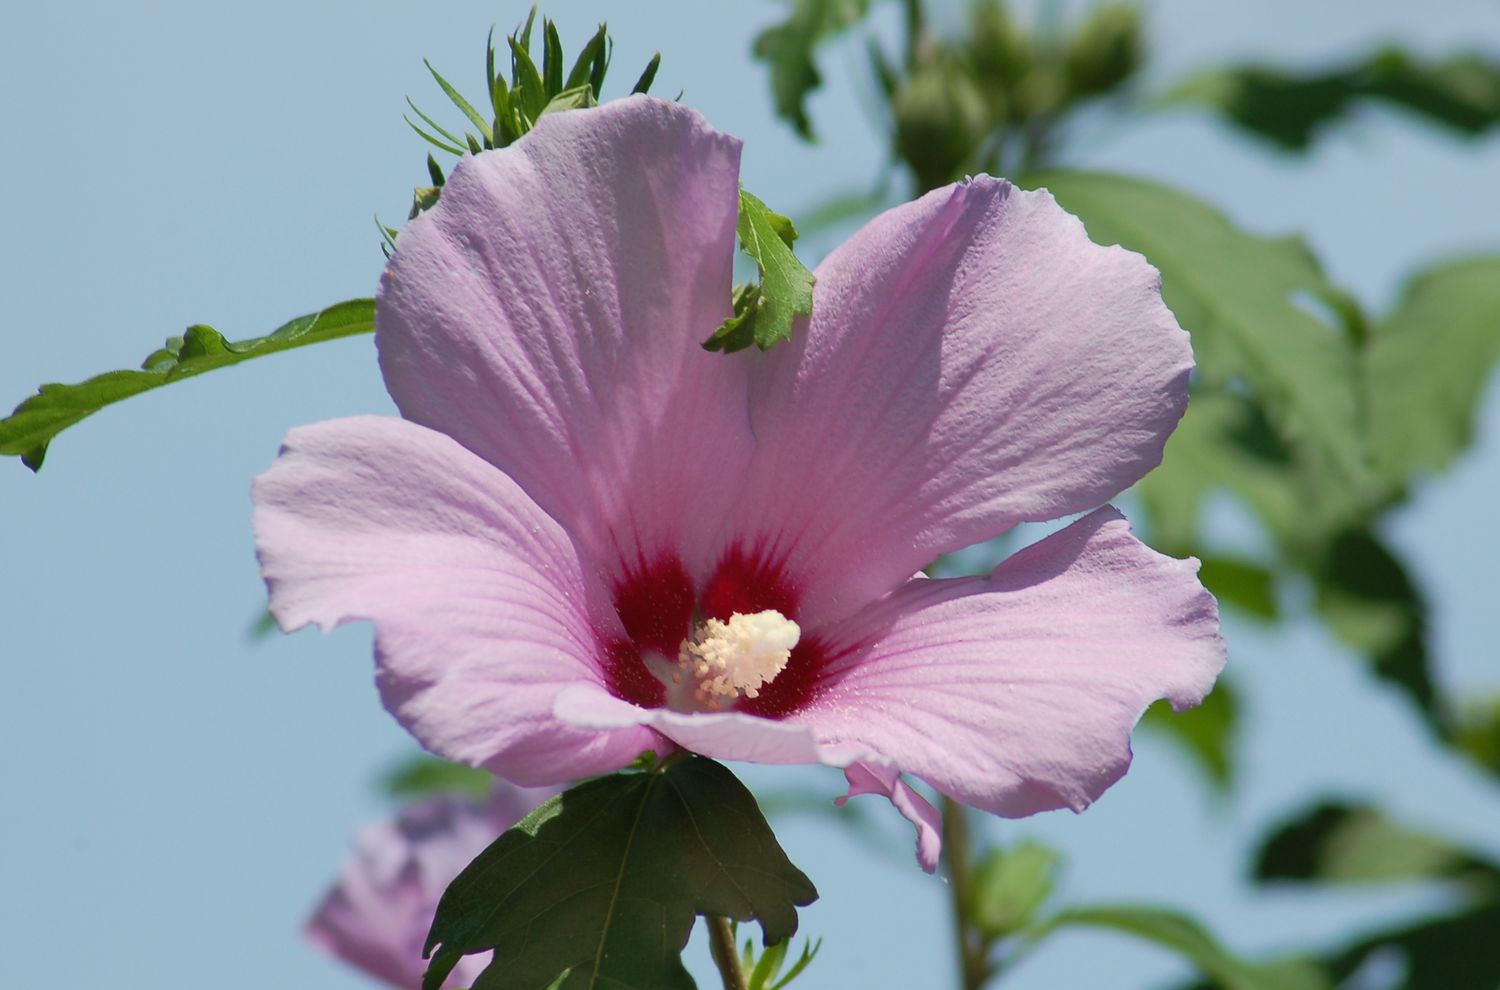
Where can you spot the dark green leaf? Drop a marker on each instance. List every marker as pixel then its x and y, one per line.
pixel 764 314
pixel 1290 108
pixel 1247 586
pixel 1369 600
pixel 1426 366
pixel 1206 733
pixel 1010 885
pixel 648 75
pixel 29 429
pixel 1184 936
pixel 606 879
pixel 1238 296
pixel 1477 732
pixel 1448 953
pixel 420 775
pixel 1349 843
pixel 787 49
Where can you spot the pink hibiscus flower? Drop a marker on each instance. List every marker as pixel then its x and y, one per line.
pixel 376 917
pixel 587 537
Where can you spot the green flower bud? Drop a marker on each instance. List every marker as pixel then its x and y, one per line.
pixel 999 50
pixel 941 119
pixel 1105 51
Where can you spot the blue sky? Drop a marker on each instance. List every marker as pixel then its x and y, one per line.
pixel 177 797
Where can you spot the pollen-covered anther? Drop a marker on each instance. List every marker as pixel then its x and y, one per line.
pixel 728 660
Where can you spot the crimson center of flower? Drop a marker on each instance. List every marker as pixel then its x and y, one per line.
pixel 725 661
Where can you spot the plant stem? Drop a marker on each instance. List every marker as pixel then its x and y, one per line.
pixel 726 954
pixel 972 969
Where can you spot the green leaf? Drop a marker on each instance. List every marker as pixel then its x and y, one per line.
pixel 1370 601
pixel 1010 886
pixel 589 66
pixel 648 76
pixel 421 775
pixel 571 99
pixel 764 314
pixel 787 49
pixel 528 93
pixel 1238 295
pixel 1249 587
pixel 1477 731
pixel 1354 843
pixel 1427 364
pixel 458 101
pixel 1291 108
pixel 1178 933
pixel 552 59
pixel 606 879
pixel 30 429
pixel 1206 733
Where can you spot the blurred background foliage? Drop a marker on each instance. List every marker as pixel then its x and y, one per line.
pixel 1318 417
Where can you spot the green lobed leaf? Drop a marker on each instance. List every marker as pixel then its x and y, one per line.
pixel 787 49
pixel 29 430
pixel 1426 366
pixel 1238 295
pixel 1205 733
pixel 1291 108
pixel 1337 842
pixel 605 880
pixel 764 314
pixel 1178 933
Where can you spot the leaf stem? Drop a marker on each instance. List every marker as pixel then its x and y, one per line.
pixel 726 954
pixel 972 969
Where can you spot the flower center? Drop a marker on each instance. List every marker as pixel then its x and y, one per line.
pixel 724 661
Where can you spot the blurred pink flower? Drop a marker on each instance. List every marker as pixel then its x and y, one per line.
pixel 376 917
pixel 588 537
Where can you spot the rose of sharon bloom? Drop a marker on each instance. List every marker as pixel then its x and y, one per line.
pixel 377 916
pixel 587 537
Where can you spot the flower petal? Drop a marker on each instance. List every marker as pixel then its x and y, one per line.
pixel 718 735
pixel 547 314
pixel 972 361
pixel 376 917
pixel 1016 693
pixel 483 610
pixel 874 777
pixel 736 736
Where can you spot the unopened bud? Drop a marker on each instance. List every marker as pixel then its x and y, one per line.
pixel 1106 50
pixel 941 119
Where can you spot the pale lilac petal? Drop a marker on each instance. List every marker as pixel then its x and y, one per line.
pixel 883 779
pixel 719 735
pixel 1017 693
pixel 483 610
pixel 972 361
pixel 547 314
pixel 377 916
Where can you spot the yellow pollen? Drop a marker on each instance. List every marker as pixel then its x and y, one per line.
pixel 727 660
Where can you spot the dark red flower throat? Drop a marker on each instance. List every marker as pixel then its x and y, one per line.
pixel 657 604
